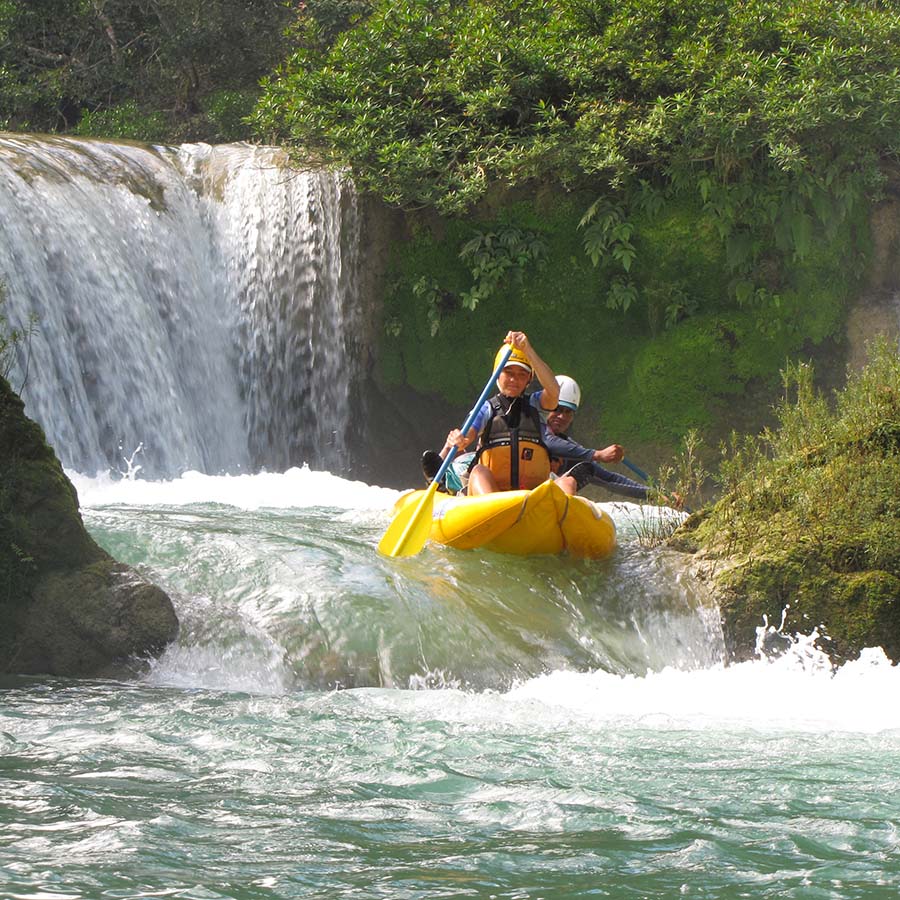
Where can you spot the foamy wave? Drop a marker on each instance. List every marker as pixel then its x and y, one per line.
pixel 635 520
pixel 246 669
pixel 797 691
pixel 295 488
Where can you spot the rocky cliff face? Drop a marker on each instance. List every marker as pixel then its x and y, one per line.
pixel 877 309
pixel 66 607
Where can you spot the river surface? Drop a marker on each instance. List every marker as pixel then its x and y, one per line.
pixel 334 724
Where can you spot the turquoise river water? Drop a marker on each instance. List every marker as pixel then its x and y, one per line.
pixel 333 724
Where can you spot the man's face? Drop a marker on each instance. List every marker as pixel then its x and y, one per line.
pixel 513 380
pixel 560 419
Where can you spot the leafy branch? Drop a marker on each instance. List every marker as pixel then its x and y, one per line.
pixel 492 256
pixel 13 340
pixel 428 290
pixel 607 237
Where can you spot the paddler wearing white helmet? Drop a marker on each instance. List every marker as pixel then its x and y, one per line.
pixel 578 465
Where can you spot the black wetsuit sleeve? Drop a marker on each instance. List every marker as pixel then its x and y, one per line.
pixel 617 484
pixel 562 447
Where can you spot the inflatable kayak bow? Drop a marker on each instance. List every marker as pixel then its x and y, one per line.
pixel 544 520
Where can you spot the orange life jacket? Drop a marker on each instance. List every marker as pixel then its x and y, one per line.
pixel 511 445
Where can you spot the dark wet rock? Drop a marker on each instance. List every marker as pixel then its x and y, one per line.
pixel 66 607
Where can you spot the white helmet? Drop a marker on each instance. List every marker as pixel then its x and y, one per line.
pixel 569 392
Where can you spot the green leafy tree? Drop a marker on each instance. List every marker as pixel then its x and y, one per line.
pixel 773 118
pixel 145 68
pixel 455 94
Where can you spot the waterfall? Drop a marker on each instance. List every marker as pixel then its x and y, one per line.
pixel 197 302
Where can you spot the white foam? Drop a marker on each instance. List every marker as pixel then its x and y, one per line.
pixel 798 690
pixel 296 488
pixel 637 519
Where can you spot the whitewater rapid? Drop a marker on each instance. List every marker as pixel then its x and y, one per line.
pixel 799 689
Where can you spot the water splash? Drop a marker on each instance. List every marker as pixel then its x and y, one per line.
pixel 221 650
pixel 297 488
pixel 278 579
pixel 795 689
pixel 293 556
pixel 131 467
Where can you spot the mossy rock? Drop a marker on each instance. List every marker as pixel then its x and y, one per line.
pixel 92 621
pixel 38 504
pixel 855 609
pixel 66 607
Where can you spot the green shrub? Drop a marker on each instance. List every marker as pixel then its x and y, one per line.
pixel 431 101
pixel 771 120
pixel 228 112
pixel 126 121
pixel 826 479
pixel 142 70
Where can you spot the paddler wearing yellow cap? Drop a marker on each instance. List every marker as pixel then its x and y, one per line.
pixel 510 454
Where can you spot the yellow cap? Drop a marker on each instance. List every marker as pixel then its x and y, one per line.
pixel 516 358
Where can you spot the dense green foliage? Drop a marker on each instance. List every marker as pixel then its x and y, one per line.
pixel 827 470
pixel 644 383
pixel 811 510
pixel 698 179
pixel 142 69
pixel 432 100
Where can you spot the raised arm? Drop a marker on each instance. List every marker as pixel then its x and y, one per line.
pixel 550 394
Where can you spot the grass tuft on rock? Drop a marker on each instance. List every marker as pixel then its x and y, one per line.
pixel 809 519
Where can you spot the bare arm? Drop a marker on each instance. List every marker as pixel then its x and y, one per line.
pixel 459 440
pixel 612 454
pixel 550 394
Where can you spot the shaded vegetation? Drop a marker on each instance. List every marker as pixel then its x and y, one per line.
pixel 143 69
pixel 646 380
pixel 810 517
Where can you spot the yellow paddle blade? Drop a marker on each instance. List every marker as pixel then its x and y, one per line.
pixel 407 534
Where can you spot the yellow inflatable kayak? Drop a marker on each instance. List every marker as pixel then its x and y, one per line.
pixel 544 520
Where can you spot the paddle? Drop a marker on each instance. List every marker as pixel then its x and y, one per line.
pixel 407 534
pixel 639 472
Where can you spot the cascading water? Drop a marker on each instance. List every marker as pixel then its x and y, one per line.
pixel 288 240
pixel 279 587
pixel 197 302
